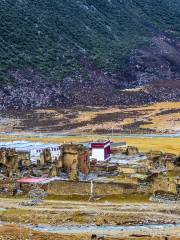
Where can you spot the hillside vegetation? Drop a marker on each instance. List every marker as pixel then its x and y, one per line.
pixel 160 118
pixel 89 40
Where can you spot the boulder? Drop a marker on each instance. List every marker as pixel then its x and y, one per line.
pixel 132 150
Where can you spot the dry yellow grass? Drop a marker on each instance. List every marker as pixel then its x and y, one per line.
pixel 159 121
pixel 169 122
pixel 90 115
pixel 170 145
pixel 165 122
pixel 96 119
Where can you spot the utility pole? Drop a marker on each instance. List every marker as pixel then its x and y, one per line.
pixel 112 134
pixel 91 199
pixel 92 188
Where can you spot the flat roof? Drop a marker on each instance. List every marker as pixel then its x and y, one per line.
pixel 27 145
pixel 32 180
pixel 118 144
pixel 100 141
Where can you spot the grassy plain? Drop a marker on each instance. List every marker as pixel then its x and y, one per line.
pixel 91 123
pixel 170 145
pixel 157 118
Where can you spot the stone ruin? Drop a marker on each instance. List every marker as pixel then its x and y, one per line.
pixel 74 159
pixel 11 162
pixel 166 185
pixel 8 187
pixel 46 166
pixel 129 150
pixel 159 161
pixel 156 172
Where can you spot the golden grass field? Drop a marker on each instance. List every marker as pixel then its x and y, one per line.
pixel 170 145
pixel 157 118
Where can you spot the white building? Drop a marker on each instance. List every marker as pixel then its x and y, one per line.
pixel 34 148
pixel 100 151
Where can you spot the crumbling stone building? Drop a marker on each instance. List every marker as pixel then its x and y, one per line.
pixel 74 158
pixel 158 161
pixel 11 162
pixel 45 157
pixel 163 184
pixel 132 169
pixel 47 166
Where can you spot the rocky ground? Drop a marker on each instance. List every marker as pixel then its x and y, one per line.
pixel 33 91
pixel 58 213
pixel 12 232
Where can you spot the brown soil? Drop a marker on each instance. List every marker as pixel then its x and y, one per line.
pixel 70 212
pixel 12 232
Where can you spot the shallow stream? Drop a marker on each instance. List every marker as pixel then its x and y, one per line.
pixel 106 229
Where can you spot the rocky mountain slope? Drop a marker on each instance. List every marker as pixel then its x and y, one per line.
pixel 89 52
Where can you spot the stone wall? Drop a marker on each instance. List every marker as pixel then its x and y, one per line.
pixel 11 161
pixel 163 184
pixel 131 169
pixel 26 187
pixel 7 187
pixel 83 188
